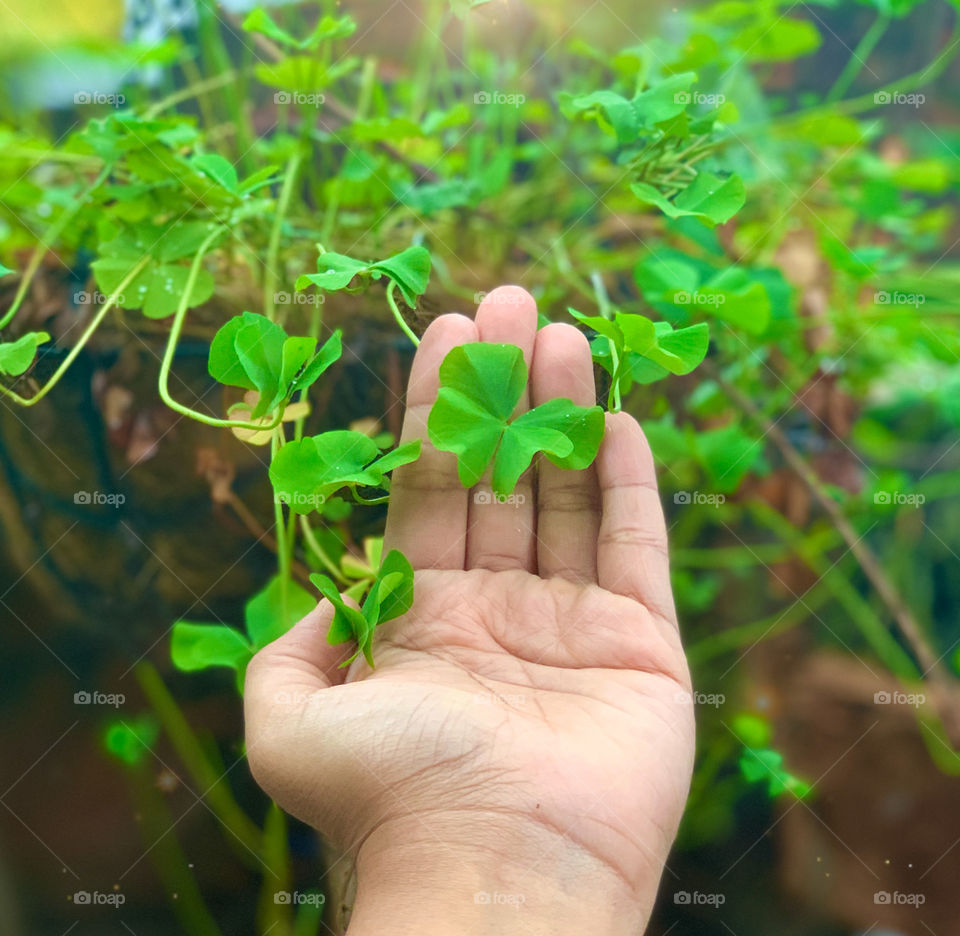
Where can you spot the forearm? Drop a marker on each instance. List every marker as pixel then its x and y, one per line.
pixel 537 884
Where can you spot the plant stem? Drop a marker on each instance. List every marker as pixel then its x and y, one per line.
pixel 84 338
pixel 196 89
pixel 53 232
pixel 171 349
pixel 312 541
pixel 614 403
pixel 392 302
pixel 284 546
pixel 191 753
pixel 858 58
pixel 273 248
pixel 931 666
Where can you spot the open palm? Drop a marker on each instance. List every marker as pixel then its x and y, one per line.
pixel 536 696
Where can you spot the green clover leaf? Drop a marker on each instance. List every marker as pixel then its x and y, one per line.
pixel 390 596
pixel 17 356
pixel 409 269
pixel 480 386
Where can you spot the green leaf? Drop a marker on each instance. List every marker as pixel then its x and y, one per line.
pixel 198 646
pixel 131 740
pixel 765 765
pixel 305 473
pixel 708 197
pixel 263 615
pixel 157 289
pixel 17 356
pixel 409 269
pixel 5 271
pixel 389 597
pixel 251 352
pixel 259 21
pixel 221 170
pixel 328 27
pixel 480 386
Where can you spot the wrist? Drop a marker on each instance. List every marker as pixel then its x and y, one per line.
pixel 469 875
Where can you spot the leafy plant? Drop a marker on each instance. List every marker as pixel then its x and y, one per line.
pixel 480 387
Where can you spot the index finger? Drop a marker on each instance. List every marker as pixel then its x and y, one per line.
pixel 427 517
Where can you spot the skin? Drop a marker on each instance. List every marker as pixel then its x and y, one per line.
pixel 519 759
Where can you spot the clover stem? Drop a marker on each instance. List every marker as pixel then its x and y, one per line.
pixel 53 232
pixel 859 56
pixel 112 300
pixel 392 302
pixel 311 540
pixel 614 402
pixel 273 247
pixel 284 544
pixel 168 355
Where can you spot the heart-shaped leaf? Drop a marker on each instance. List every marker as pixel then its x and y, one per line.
pixel 307 472
pixel 17 356
pixel 708 197
pixel 389 597
pixel 409 269
pixel 480 386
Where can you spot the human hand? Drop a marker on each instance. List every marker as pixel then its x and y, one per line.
pixel 519 758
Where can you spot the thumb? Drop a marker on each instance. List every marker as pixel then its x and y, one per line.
pixel 282 681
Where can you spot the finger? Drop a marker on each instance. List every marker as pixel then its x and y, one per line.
pixel 632 557
pixel 285 673
pixel 501 535
pixel 427 518
pixel 568 502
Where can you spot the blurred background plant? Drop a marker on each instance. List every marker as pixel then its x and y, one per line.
pixel 782 175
